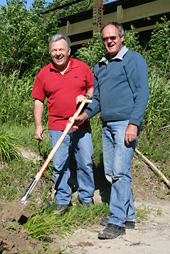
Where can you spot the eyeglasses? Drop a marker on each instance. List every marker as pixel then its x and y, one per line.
pixel 111 38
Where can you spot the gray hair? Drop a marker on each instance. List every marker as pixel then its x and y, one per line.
pixel 117 25
pixel 58 37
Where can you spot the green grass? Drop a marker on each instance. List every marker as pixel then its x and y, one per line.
pixel 25 136
pixel 8 147
pixel 159 211
pixel 141 213
pixel 41 225
pixel 15 178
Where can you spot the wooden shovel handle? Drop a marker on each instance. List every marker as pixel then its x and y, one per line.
pixel 68 127
pixel 60 140
pixel 53 151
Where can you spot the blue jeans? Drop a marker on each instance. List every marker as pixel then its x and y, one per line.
pixel 83 150
pixel 117 159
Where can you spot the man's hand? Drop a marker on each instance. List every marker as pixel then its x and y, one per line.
pixel 38 134
pixel 80 98
pixel 131 133
pixel 79 120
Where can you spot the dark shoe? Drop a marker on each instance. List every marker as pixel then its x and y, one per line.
pixel 128 224
pixel 85 204
pixel 111 231
pixel 61 209
pixel 104 221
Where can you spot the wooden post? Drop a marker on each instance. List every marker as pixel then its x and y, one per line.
pixel 97 20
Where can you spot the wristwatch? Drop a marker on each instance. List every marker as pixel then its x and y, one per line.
pixel 88 97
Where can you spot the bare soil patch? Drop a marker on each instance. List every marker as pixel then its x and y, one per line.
pixel 16 239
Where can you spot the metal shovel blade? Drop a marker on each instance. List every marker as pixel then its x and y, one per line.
pixel 13 211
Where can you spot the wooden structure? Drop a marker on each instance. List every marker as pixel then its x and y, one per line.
pixel 142 14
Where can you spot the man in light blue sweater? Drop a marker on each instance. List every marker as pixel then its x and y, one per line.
pixel 121 94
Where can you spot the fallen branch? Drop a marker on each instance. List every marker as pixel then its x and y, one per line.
pixel 163 128
pixel 154 167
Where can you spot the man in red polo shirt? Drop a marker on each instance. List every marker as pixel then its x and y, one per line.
pixel 65 81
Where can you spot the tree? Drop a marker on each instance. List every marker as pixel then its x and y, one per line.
pixel 24 36
pixel 91 52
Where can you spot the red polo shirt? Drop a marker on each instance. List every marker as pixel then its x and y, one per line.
pixel 61 91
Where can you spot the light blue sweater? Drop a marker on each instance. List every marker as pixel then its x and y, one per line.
pixel 120 88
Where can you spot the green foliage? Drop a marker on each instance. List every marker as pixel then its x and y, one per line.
pixel 8 147
pixel 91 52
pixel 15 178
pixel 16 104
pixel 159 54
pixel 12 177
pixel 159 211
pixel 41 250
pixel 67 10
pixel 132 40
pixel 96 127
pixel 152 142
pixel 40 226
pixel 141 213
pixel 24 37
pixel 157 112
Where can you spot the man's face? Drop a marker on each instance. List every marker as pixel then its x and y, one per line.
pixel 59 53
pixel 111 40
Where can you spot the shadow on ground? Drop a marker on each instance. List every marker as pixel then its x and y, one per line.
pixel 101 183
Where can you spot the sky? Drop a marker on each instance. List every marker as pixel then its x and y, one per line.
pixel 29 2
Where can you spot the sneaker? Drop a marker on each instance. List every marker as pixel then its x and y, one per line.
pixel 128 224
pixel 85 204
pixel 111 231
pixel 61 209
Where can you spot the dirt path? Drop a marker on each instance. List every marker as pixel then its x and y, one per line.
pixel 150 236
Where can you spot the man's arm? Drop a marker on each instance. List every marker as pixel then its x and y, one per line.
pixel 80 119
pixel 137 76
pixel 80 98
pixel 38 113
pixel 84 116
pixel 90 92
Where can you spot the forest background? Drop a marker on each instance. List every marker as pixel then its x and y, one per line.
pixel 24 37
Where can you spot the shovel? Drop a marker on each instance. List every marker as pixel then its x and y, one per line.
pixel 13 211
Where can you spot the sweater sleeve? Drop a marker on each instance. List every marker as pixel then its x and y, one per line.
pixel 94 107
pixel 137 75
